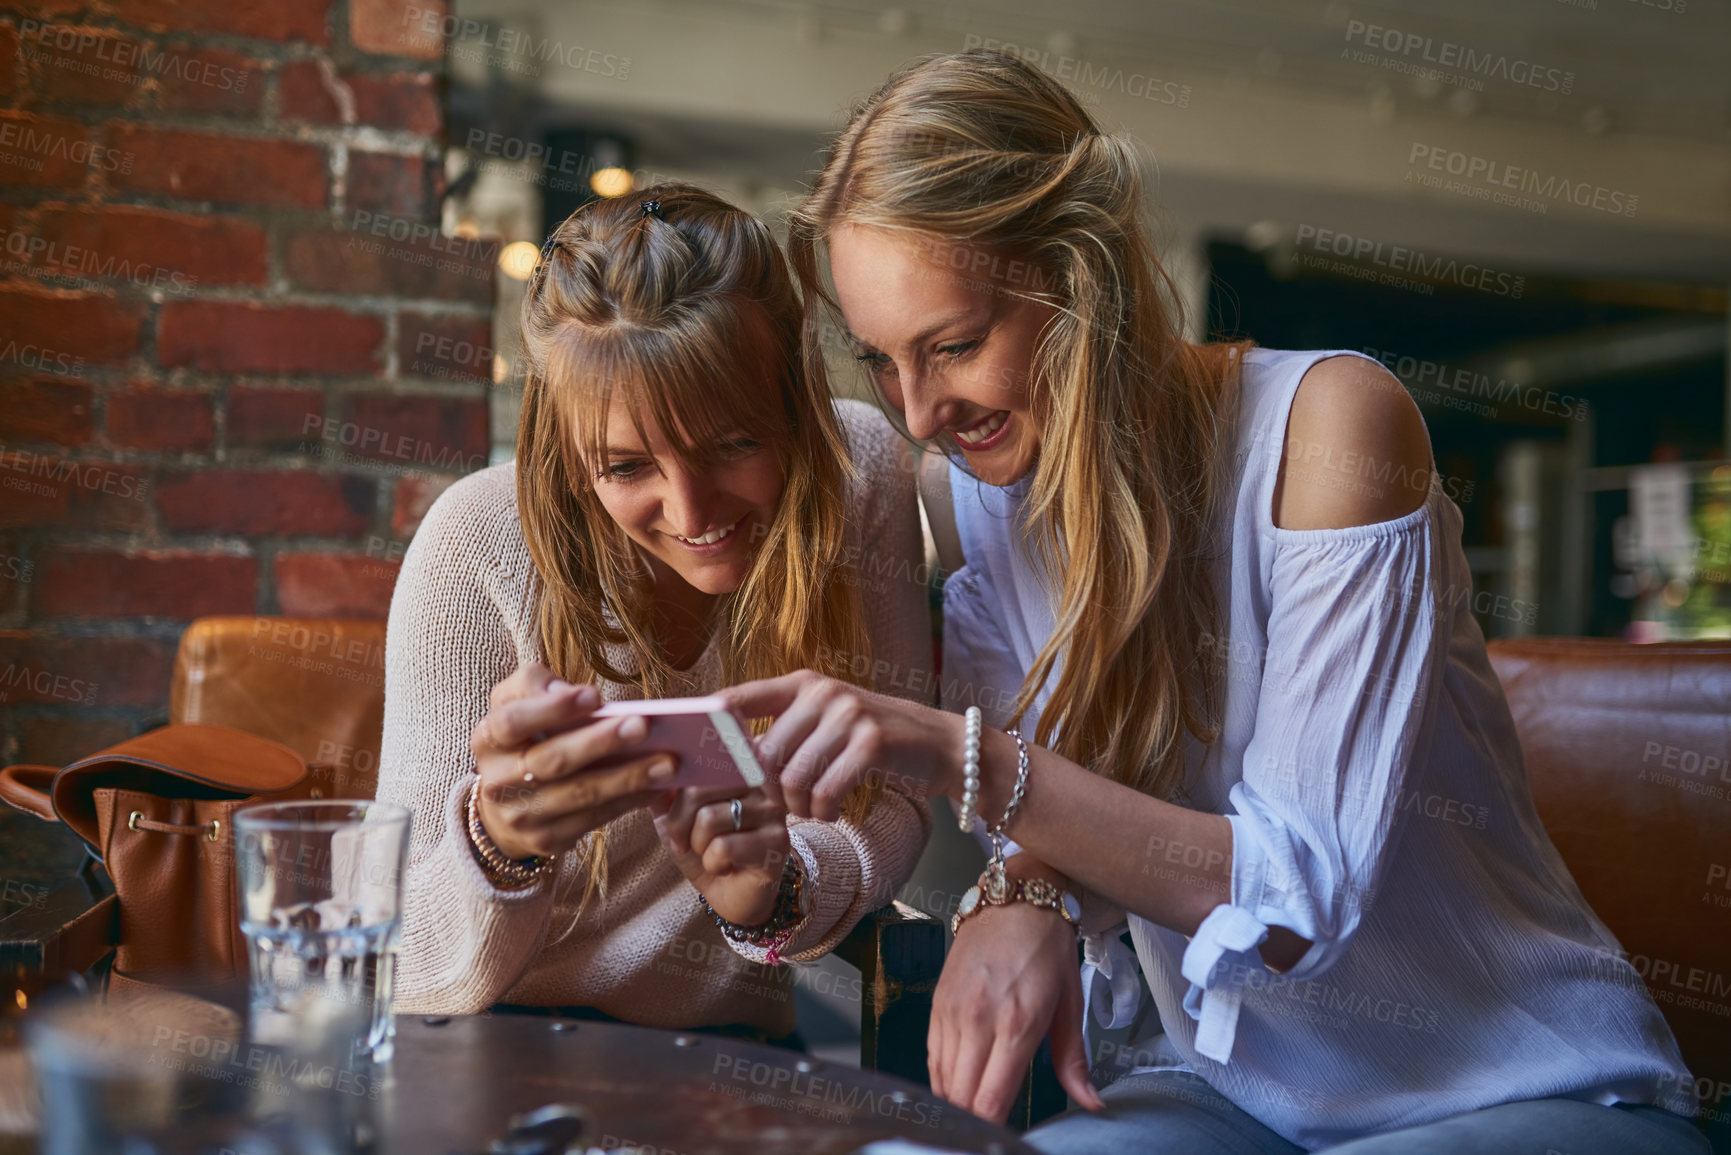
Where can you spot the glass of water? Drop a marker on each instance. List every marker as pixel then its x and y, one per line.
pixel 151 1074
pixel 321 889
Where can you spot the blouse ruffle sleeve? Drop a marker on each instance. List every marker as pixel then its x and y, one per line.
pixel 1354 651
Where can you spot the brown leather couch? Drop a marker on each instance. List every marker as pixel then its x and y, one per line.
pixel 315 685
pixel 1628 754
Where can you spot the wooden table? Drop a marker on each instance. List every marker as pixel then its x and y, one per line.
pixel 456 1082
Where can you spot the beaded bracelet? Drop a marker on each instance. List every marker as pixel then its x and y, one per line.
pixel 774 931
pixel 504 873
pixel 970 769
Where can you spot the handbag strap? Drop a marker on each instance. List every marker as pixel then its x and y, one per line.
pixel 137 821
pixel 25 787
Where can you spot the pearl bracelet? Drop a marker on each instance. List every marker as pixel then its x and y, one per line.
pixel 970 769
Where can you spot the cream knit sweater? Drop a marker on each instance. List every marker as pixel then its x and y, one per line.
pixel 462 620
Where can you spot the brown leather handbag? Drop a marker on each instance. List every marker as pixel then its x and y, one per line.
pixel 158 811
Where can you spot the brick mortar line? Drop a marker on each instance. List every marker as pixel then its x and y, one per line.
pixel 280 225
pixel 107 380
pixel 394 142
pixel 382 469
pixel 266 592
pixel 265 128
pixel 368 305
pixel 261 215
pixel 382 308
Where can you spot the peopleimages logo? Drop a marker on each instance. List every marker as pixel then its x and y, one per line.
pixel 1399 258
pixel 1494 175
pixel 1458 387
pixel 45 685
pixel 74 262
pixel 514 50
pixel 37 142
pixel 1084 74
pixel 1457 58
pixel 118 60
pixel 41 360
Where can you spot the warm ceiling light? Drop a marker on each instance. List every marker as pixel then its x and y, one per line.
pixel 612 182
pixel 517 260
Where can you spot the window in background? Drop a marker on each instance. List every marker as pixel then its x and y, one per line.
pixel 1539 405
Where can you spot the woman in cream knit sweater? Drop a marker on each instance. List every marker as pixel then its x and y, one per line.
pixel 681 515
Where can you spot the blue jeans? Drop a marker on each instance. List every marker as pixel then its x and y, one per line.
pixel 1179 1113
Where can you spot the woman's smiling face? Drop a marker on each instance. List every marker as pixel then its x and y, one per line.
pixel 700 520
pixel 951 350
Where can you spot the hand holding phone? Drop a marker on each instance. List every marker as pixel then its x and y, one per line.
pixel 730 845
pixel 532 751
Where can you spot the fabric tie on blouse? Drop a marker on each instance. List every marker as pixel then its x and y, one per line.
pixel 1217 963
pixel 1111 990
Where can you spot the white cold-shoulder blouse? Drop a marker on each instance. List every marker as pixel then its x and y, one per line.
pixel 1371 774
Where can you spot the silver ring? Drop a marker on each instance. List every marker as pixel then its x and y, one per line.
pixel 738 812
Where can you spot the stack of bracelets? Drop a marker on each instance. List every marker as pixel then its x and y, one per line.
pixel 505 873
pixel 773 931
pixel 517 874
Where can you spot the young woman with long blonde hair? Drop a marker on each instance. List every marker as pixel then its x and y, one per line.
pixel 687 509
pixel 1221 587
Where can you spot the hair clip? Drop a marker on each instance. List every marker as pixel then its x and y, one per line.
pixel 540 273
pixel 653 209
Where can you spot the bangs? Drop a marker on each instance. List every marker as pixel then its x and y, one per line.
pixel 696 379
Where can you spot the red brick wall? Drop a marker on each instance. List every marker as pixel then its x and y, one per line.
pixel 236 359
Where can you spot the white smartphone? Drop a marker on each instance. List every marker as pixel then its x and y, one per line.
pixel 711 743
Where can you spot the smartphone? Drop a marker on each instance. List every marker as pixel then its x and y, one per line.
pixel 711 743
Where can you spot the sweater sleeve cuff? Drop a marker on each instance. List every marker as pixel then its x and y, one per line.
pixel 465 934
pixel 832 887
pixel 461 852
